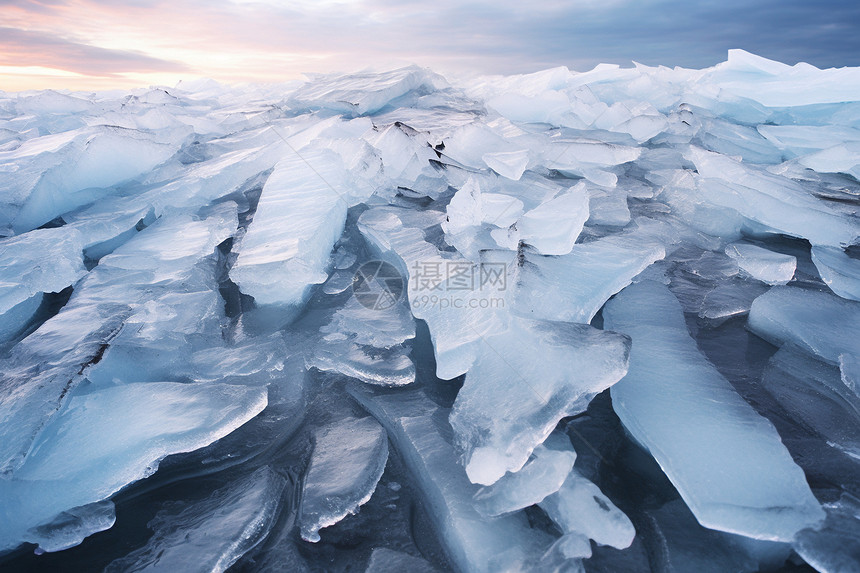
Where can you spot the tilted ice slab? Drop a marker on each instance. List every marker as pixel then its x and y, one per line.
pixel 348 459
pixel 552 227
pixel 838 271
pixel 384 560
pixel 770 200
pixel 776 84
pixel 726 461
pixel 762 264
pixel 173 294
pixel 212 534
pixel 510 164
pixel 834 547
pixel 573 287
pixel 106 439
pixel 300 215
pixel 361 93
pixel 550 464
pixel 576 363
pixel 842 158
pixel 369 340
pixel 579 508
pixel 42 369
pixel 473 217
pixel 68 170
pixel 819 322
pixel 400 158
pixel 815 395
pixel 473 543
pixel 803 139
pixel 436 292
pixel 588 158
pixel 41 261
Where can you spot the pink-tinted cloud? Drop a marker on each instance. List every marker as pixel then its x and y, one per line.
pixel 25 48
pixel 139 41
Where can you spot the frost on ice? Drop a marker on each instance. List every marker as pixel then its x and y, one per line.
pixel 606 320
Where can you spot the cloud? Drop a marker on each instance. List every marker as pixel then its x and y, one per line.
pixel 26 48
pixel 273 40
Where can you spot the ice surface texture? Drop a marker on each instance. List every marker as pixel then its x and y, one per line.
pixel 575 321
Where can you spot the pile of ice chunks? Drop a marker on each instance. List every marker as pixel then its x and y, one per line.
pixel 599 321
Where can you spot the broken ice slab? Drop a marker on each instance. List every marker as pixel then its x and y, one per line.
pixel 65 171
pixel 552 227
pixel 737 140
pixel 818 322
pixel 457 317
pixel 142 279
pixel 642 126
pixel 381 325
pixel 42 369
pixel 580 508
pixel 727 462
pixel 834 547
pixel 173 294
pixel 348 459
pixel 283 255
pixel 404 157
pixel 763 264
pixel 731 297
pixel 547 468
pixel 838 271
pixel 257 362
pixel 109 223
pixel 776 84
pixel 474 217
pixel 842 158
pixel 378 366
pixel 361 93
pixel 477 145
pixel 772 201
pixel 608 207
pixel 108 438
pixel 418 429
pixel 573 287
pixel 802 139
pixel 577 362
pixel 41 261
pixel 15 320
pixel 813 393
pixel 384 560
pixel 580 156
pixel 72 526
pixel 368 340
pixel 676 542
pixel 211 534
pixel 510 164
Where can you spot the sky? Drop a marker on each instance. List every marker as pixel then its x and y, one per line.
pixel 104 44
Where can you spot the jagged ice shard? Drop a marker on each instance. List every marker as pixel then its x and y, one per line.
pixel 561 321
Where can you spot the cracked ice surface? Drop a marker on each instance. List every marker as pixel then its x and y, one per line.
pixel 588 321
